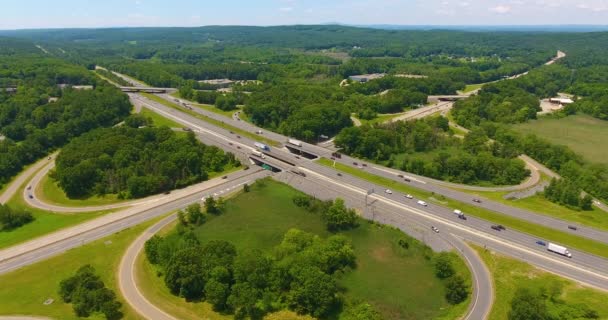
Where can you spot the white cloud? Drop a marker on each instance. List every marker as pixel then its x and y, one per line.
pixel 286 9
pixel 501 9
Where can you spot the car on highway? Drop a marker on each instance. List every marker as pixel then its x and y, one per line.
pixel 541 243
pixel 259 132
pixel 238 137
pixel 573 228
pixel 31 196
pixel 495 227
pixel 225 177
pixel 167 192
pixel 409 196
pixel 498 227
pixel 355 164
pixel 339 174
pixel 388 191
pixel 476 200
pixel 435 229
pixel 400 175
pixel 422 203
pixel 29 187
pixel 407 179
pixel 231 132
pixel 462 217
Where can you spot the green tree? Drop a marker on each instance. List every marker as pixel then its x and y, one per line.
pixel 456 289
pixel 443 265
pixel 338 217
pixel 528 305
pixel 217 288
pixel 184 273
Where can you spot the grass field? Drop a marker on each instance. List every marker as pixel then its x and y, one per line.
pixel 44 223
pixel 584 134
pixel 49 192
pixel 510 274
pixel 387 276
pixel 207 107
pixel 594 218
pixel 580 243
pixel 470 87
pixel 159 120
pixel 381 118
pixel 214 122
pixel 23 291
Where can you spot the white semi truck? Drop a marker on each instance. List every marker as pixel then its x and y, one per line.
pixel 559 250
pixel 295 142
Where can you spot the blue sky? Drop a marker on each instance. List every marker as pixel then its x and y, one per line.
pixel 17 14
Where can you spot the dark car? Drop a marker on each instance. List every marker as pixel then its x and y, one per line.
pixel 495 227
pixel 501 227
pixel 167 192
pixel 407 180
pixel 355 164
pixel 364 164
pixel 572 228
pixel 400 175
pixel 339 174
pixel 541 243
pixel 238 137
pixel 462 217
pixel 476 200
pixel 225 177
pixel 31 196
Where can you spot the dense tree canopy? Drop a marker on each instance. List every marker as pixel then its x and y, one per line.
pixel 136 162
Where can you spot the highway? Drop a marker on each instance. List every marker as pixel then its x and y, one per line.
pixel 46 246
pixel 582 267
pixel 419 182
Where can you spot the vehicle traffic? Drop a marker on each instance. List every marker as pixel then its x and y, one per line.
pixel 295 142
pixel 422 203
pixel 261 146
pixel 435 229
pixel 559 249
pixel 258 154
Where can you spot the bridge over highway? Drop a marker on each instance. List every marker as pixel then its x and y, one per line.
pixel 148 89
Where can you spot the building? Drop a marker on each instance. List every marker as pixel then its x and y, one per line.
pixel 362 78
pixel 218 83
pixel 561 101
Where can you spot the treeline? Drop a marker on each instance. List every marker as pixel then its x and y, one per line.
pixel 592 178
pixel 566 192
pixel 336 215
pixel 431 150
pixel 34 127
pixel 13 218
pixel 299 274
pixel 135 163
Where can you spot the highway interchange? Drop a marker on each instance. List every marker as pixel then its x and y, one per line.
pixel 323 182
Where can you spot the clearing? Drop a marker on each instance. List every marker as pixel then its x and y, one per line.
pixel 583 134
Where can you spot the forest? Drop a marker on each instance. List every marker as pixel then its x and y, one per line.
pixel 430 149
pixel 33 124
pixel 134 163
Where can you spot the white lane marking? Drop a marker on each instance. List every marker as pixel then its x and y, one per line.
pixel 190 124
pixel 398 172
pixel 457 226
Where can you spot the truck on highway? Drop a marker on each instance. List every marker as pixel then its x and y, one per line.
pixel 261 146
pixel 295 142
pixel 559 249
pixel 258 154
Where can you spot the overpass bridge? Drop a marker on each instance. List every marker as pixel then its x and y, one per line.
pixel 434 99
pixel 148 89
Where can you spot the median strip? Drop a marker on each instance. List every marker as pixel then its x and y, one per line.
pixel 573 241
pixel 210 120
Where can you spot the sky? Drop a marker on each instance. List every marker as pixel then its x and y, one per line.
pixel 25 14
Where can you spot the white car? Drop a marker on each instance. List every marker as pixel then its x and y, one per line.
pixel 388 191
pixel 435 229
pixel 458 212
pixel 422 203
pixel 409 196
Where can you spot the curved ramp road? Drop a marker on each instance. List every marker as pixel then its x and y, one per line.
pixel 60 241
pixel 22 178
pixel 127 279
pixel 23 318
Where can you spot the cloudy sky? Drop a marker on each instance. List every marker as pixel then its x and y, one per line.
pixel 112 13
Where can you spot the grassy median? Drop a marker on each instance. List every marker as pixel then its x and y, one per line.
pixel 573 241
pixel 387 276
pixel 212 121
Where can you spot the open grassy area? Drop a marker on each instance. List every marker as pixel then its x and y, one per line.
pixel 214 122
pixel 584 134
pixel 49 192
pixel 510 274
pixel 381 118
pixel 596 218
pixel 580 243
pixel 207 107
pixel 470 87
pixel 23 291
pixel 159 120
pixel 399 283
pixel 44 222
